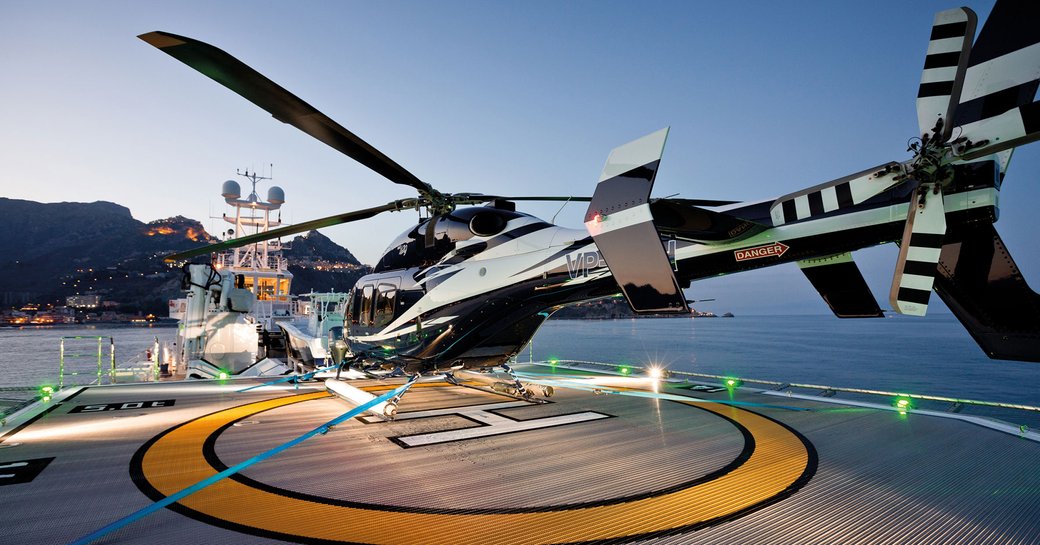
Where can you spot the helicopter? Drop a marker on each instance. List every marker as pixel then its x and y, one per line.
pixel 471 282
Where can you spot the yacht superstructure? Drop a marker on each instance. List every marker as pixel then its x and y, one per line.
pixel 230 314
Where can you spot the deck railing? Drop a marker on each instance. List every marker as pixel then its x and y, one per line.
pixel 93 350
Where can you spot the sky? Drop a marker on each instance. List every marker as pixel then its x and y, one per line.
pixel 763 98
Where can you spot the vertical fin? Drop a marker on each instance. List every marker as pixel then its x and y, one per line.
pixel 983 287
pixel 919 251
pixel 620 222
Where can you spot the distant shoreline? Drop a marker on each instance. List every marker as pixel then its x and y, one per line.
pixel 638 317
pixel 87 325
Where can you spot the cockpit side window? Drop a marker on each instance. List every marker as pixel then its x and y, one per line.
pixel 385 303
pixel 364 317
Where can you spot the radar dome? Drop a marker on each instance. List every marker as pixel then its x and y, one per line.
pixel 231 190
pixel 275 195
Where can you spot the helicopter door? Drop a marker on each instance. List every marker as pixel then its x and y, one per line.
pixel 361 312
pixel 374 306
pixel 384 305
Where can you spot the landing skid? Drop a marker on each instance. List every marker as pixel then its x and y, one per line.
pixel 508 393
pixel 354 395
pixel 511 386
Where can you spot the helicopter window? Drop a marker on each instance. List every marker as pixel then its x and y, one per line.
pixel 355 305
pixel 384 305
pixel 365 316
pixel 451 228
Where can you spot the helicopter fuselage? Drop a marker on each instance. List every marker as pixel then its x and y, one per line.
pixel 469 287
pixel 472 289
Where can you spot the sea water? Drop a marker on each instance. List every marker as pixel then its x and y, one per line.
pixel 932 355
pixel 29 356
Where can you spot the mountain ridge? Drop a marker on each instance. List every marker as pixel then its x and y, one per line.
pixel 49 251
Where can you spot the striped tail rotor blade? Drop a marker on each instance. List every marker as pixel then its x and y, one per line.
pixel 944 68
pixel 1004 66
pixel 997 107
pixel 1013 128
pixel 919 252
pixel 840 194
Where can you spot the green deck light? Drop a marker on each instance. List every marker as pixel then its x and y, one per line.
pixel 223 375
pixel 733 382
pixel 553 361
pixel 46 392
pixel 903 404
pixel 625 370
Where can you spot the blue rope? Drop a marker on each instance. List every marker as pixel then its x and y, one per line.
pixel 324 428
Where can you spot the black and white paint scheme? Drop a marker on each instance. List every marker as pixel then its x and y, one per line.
pixel 470 283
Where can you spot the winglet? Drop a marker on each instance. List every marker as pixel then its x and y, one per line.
pixel 619 220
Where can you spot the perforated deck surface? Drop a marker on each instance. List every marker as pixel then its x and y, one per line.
pixel 462 465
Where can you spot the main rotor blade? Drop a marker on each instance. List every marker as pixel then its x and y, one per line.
pixel 691 202
pixel 286 107
pixel 550 199
pixel 293 229
pixel 477 198
pixel 696 202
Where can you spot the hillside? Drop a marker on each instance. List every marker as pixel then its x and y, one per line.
pixel 317 249
pixel 318 264
pixel 49 251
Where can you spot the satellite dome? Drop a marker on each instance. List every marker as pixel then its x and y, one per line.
pixel 231 190
pixel 275 195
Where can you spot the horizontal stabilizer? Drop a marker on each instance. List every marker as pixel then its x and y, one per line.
pixel 619 220
pixel 979 281
pixel 841 285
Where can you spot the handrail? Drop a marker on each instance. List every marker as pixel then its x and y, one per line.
pixel 786 385
pixel 62 354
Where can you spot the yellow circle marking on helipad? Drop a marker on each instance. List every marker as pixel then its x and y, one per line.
pixel 175 461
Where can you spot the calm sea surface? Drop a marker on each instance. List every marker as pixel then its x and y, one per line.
pixel 933 355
